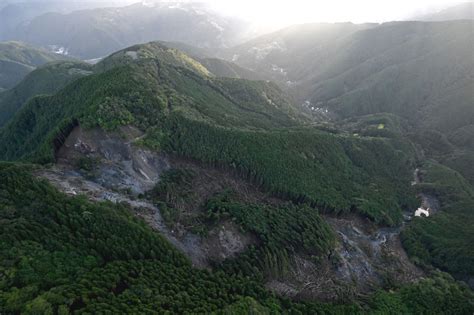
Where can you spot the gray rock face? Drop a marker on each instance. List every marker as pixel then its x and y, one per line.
pixel 118 164
pixel 110 166
pixel 364 257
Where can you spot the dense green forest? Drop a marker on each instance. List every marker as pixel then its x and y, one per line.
pixel 64 254
pixel 45 80
pixel 333 172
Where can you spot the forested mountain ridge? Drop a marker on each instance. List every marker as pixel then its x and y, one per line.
pixel 18 59
pixel 52 77
pixel 152 85
pixel 46 79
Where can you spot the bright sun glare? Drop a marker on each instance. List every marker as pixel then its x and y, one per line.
pixel 302 11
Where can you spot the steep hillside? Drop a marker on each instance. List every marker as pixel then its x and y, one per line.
pixel 223 68
pixel 18 59
pixel 44 80
pixel 227 122
pixel 128 83
pixel 65 254
pixel 424 73
pixel 218 67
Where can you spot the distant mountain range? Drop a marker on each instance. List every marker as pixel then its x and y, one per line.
pixel 15 13
pixel 98 32
pixel 89 29
pixel 362 69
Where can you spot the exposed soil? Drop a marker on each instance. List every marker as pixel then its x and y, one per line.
pixel 366 257
pixel 116 163
pixel 109 166
pixel 226 240
pixel 74 183
pixel 119 171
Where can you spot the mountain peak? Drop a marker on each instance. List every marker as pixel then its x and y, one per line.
pixel 154 51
